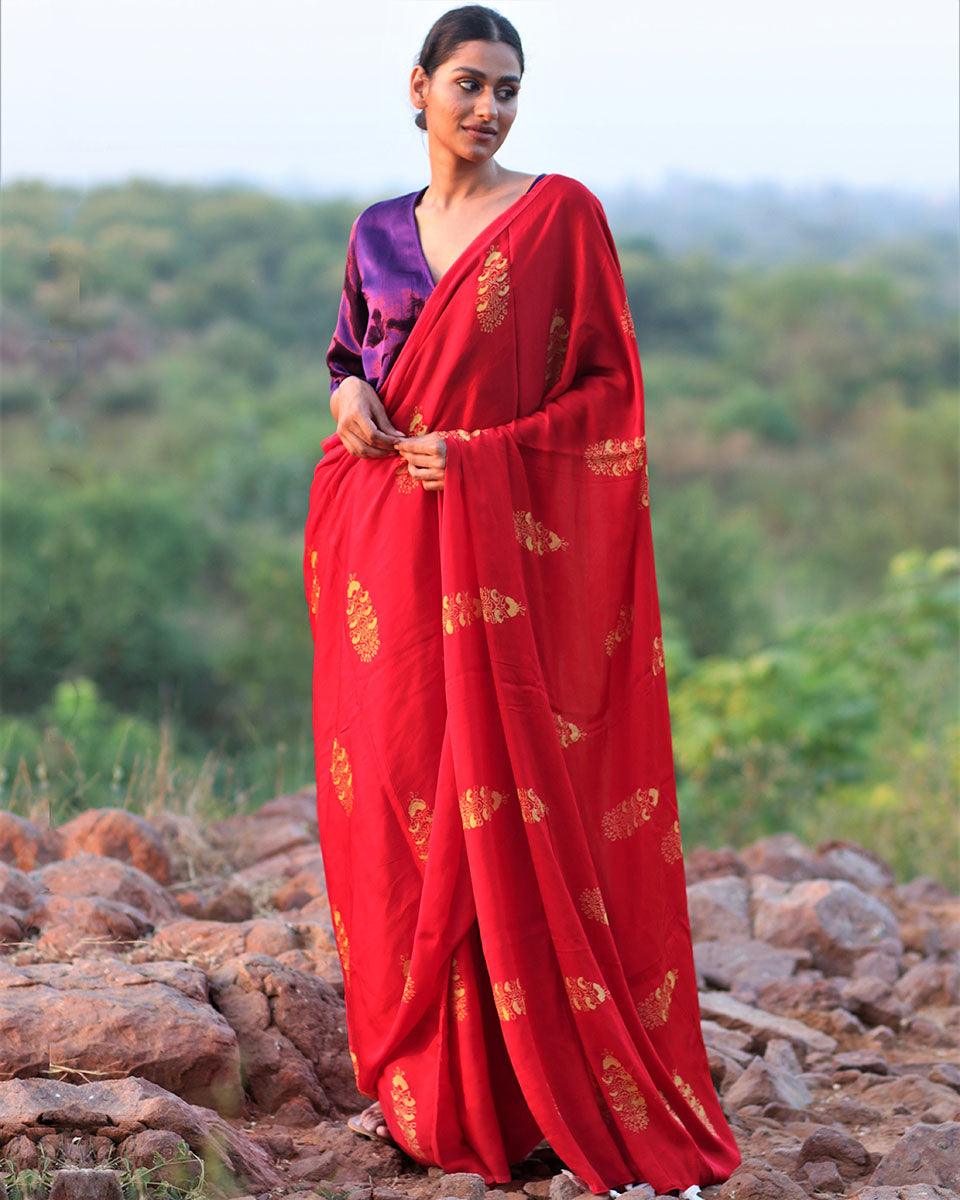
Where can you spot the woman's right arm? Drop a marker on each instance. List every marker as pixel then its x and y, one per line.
pixel 362 423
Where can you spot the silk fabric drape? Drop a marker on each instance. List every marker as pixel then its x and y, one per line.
pixel 495 780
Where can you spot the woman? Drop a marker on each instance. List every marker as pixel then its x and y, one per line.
pixel 495 779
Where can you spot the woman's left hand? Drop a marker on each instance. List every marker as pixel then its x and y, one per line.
pixel 426 459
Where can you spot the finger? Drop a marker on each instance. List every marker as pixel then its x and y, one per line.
pixel 352 443
pixel 384 423
pixel 369 449
pixel 423 458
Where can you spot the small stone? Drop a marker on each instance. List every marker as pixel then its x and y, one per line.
pixel 463 1184
pixel 86 1185
pixel 823 1176
pixel 827 1143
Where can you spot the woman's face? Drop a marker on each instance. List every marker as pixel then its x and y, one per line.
pixel 477 87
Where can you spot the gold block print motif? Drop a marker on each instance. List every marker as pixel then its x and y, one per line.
pixel 421 823
pixel 409 986
pixel 405 1108
pixel 510 999
pixel 671 846
pixel 625 1096
pixel 621 630
pixel 493 289
pixel 532 808
pixel 458 991
pixel 534 535
pixel 478 804
pixel 405 481
pixel 314 582
pixel 592 906
pixel 343 942
pixel 460 609
pixel 691 1099
pixel 657 663
pixel 557 339
pixel 417 426
pixel 584 994
pixel 567 732
pixel 361 620
pixel 342 776
pixel 655 1008
pixel 626 319
pixel 615 456
pixel 626 817
pixel 462 434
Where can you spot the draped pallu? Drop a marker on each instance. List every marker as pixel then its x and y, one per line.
pixel 495 781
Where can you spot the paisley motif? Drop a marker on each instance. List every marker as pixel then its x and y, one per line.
pixel 624 1094
pixel 655 1008
pixel 342 776
pixel 615 456
pixel 510 999
pixel 493 289
pixel 361 620
pixel 534 535
pixel 626 817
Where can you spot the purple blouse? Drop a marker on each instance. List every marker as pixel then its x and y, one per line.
pixel 385 285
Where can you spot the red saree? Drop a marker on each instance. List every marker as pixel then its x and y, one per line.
pixel 495 781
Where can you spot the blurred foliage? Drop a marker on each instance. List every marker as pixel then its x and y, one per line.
pixel 164 395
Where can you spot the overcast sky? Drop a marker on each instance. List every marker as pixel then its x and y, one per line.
pixel 313 93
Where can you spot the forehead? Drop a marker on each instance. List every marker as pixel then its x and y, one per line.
pixel 496 61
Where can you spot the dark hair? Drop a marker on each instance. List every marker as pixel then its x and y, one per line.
pixel 469 23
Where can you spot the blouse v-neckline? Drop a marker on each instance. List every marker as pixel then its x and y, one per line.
pixel 415 229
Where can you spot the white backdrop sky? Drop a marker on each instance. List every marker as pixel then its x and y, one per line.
pixel 312 94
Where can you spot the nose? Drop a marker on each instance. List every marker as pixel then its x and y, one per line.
pixel 486 107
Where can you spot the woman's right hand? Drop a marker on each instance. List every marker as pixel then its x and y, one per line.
pixel 362 422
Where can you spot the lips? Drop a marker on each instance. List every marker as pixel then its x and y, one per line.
pixel 479 129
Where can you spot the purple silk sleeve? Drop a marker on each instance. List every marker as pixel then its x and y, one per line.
pixel 344 356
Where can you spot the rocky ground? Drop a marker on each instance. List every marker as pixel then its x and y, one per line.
pixel 171 1010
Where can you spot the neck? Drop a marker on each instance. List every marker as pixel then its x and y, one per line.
pixel 453 179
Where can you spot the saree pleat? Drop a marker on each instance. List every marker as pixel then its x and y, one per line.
pixel 495 778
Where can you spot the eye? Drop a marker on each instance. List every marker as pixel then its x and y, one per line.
pixel 505 93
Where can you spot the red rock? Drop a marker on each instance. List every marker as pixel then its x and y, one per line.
pixel 925 1154
pixel 823 1177
pixel 833 919
pixel 843 859
pixel 85 874
pixel 152 1020
pixel 25 845
pixel 291 1028
pixel 782 856
pixel 756 1180
pixel 761 1025
pixel 139 1104
pixel 929 982
pixel 719 908
pixel 218 900
pixel 117 833
pixel 874 1002
pixel 70 926
pixel 702 863
pixel 850 1156
pixel 745 966
pixel 763 1084
pixel 80 1183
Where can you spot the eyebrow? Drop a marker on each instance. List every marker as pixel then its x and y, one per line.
pixel 476 71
